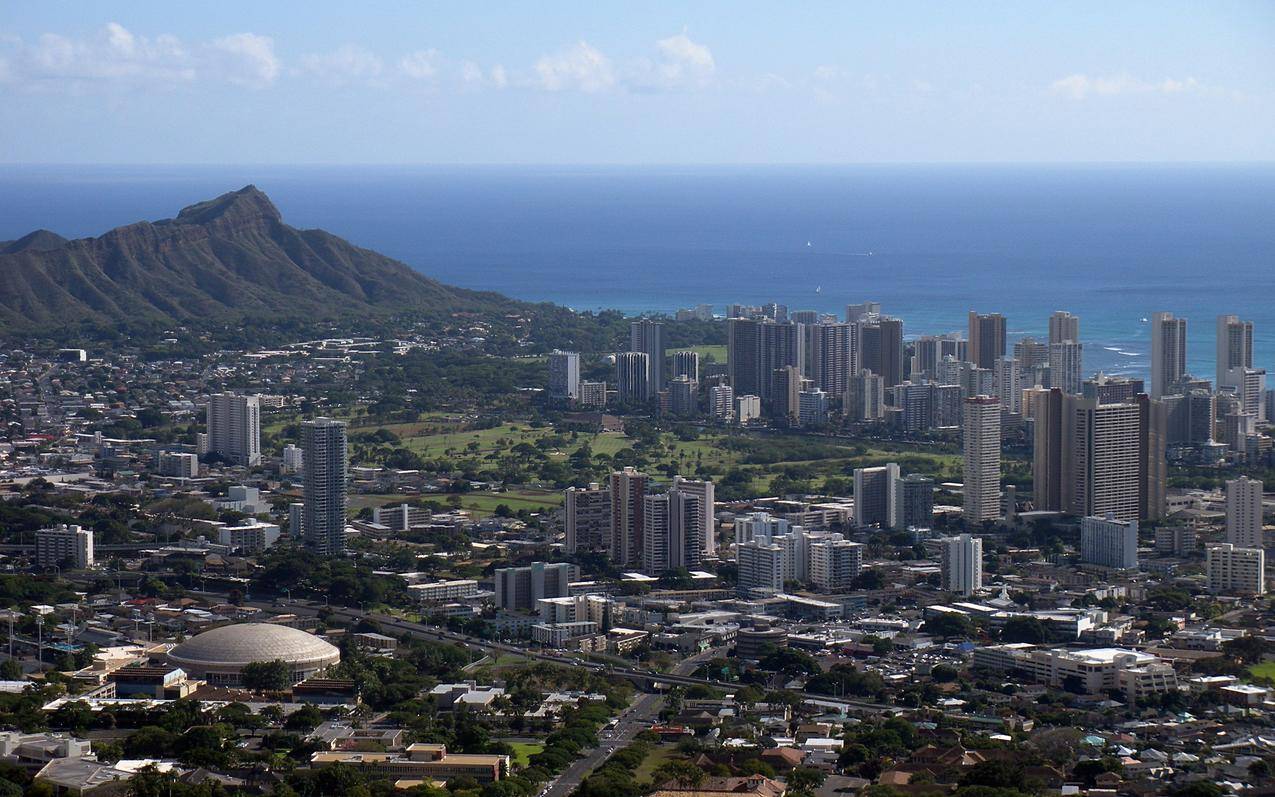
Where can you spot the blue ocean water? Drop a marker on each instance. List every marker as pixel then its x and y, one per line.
pixel 1111 243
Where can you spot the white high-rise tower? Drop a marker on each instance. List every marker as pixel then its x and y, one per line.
pixel 234 428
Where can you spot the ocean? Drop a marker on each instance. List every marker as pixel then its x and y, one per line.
pixel 1111 243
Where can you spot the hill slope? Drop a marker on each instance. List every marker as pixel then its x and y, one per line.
pixel 227 258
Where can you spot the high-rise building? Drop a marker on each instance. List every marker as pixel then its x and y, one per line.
pixel 982 447
pixel 913 504
pixel 1066 366
pixel 760 566
pixel 628 488
pixel 961 565
pixel 929 350
pixel 564 374
pixel 812 408
pixel 521 587
pixel 1008 387
pixel 865 397
pixel 672 532
pixel 743 355
pixel 917 405
pixel 1050 458
pixel 874 495
pixel 296 519
pixel 863 311
pixel 64 546
pixel 1250 388
pixel 785 394
pixel 647 336
pixel 756 348
pixel 1031 354
pixel 234 428
pixel 831 351
pixel 1175 540
pixel 1168 353
pixel 177 464
pixel 760 526
pixel 682 396
pixel 324 447
pixel 949 370
pixel 706 532
pixel 1104 449
pixel 402 517
pixel 947 406
pixel 721 402
pixel 1235 570
pixel 1192 417
pixel 834 564
pixel 293 459
pixel 977 381
pixel 1091 459
pixel 587 518
pixel 632 377
pixel 881 348
pixel 593 394
pixel 1234 348
pixel 686 363
pixel 1063 327
pixel 1108 542
pixel 1244 512
pixel 986 338
pixel 747 409
pixel 1111 389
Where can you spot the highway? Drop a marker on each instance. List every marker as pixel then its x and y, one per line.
pixel 421 631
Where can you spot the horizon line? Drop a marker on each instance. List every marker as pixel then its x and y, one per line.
pixel 620 164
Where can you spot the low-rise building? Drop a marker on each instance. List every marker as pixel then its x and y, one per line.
pixel 1236 570
pixel 444 591
pixel 425 761
pixel 557 635
pixel 1092 671
pixel 249 537
pixel 64 546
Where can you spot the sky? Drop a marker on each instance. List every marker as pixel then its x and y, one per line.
pixel 731 82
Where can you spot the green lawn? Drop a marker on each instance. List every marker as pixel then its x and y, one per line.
pixel 1264 670
pixel 480 504
pixel 440 436
pixel 654 761
pixel 716 351
pixel 523 751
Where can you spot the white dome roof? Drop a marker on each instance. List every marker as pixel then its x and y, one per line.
pixel 244 643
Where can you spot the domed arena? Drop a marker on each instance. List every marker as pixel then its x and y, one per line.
pixel 219 655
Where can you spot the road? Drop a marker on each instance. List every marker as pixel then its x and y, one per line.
pixel 639 716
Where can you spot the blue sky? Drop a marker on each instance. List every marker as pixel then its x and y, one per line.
pixel 601 82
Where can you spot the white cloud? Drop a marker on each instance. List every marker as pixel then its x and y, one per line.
pixel 681 64
pixel 581 67
pixel 247 59
pixel 1080 86
pixel 498 77
pixel 347 63
pixel 830 72
pixel 420 65
pixel 115 55
pixel 685 60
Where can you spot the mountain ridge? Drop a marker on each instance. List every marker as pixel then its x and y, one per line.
pixel 227 257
